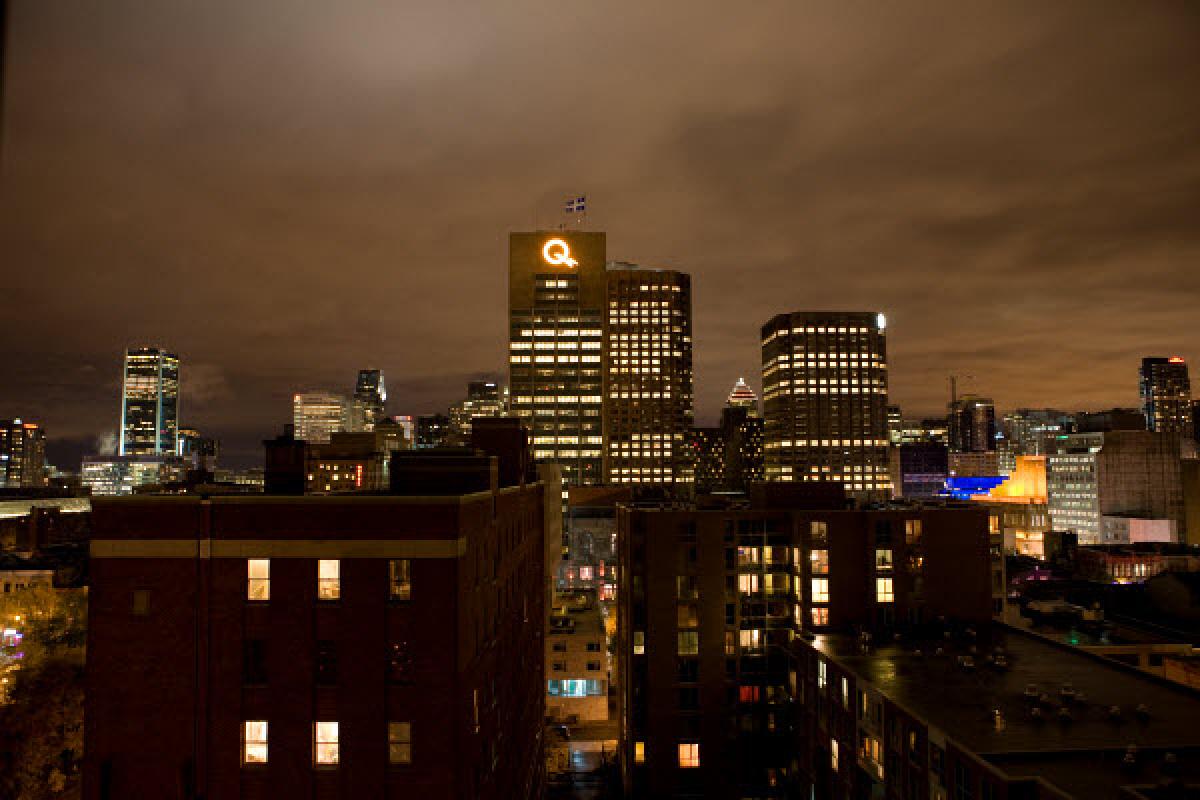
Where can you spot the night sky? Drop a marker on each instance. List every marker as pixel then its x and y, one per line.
pixel 285 192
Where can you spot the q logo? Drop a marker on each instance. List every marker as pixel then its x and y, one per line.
pixel 556 251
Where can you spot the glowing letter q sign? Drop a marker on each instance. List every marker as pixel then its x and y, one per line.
pixel 556 251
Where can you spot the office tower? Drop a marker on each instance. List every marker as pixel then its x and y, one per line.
pixel 122 475
pixel 716 599
pixel 370 397
pixel 22 455
pixel 431 430
pixel 895 425
pixel 149 403
pixel 1166 396
pixel 648 406
pixel 998 712
pixel 1091 477
pixel 742 396
pixel 707 446
pixel 825 400
pixel 971 423
pixel 317 415
pixel 556 308
pixel 1027 429
pixel 484 399
pixel 335 647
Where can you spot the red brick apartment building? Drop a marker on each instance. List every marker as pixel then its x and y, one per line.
pixel 365 646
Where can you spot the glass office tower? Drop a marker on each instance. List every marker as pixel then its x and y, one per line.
pixel 149 403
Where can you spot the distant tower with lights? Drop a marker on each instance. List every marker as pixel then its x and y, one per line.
pixel 825 397
pixel 149 403
pixel 1166 395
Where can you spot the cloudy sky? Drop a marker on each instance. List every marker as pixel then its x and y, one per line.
pixel 284 192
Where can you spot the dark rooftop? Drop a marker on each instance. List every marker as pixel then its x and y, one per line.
pixel 1081 755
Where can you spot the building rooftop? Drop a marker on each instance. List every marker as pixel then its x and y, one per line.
pixel 1082 755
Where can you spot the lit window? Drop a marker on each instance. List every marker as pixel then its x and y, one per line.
pixel 254 742
pixel 883 590
pixel 639 752
pixel 258 579
pixel 820 562
pixel 325 744
pixel 689 754
pixel 750 640
pixel 833 754
pixel 399 742
pixel 822 674
pixel 400 579
pixel 883 558
pixel 639 643
pixel 329 582
pixel 820 616
pixel 820 590
pixel 689 643
pixel 748 583
pixel 912 531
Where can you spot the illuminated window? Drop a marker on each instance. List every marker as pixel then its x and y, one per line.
pixel 883 590
pixel 820 562
pixel 399 742
pixel 325 744
pixel 258 579
pixel 912 531
pixel 689 643
pixel 639 752
pixel 820 615
pixel 822 674
pixel 329 582
pixel 748 584
pixel 689 754
pixel 400 579
pixel 883 558
pixel 818 529
pixel 254 742
pixel 833 754
pixel 750 640
pixel 639 643
pixel 820 590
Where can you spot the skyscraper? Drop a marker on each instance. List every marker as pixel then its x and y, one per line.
pixel 316 415
pixel 22 455
pixel 556 306
pixel 149 403
pixel 484 399
pixel 1167 396
pixel 370 397
pixel 648 405
pixel 972 424
pixel 825 399
pixel 742 396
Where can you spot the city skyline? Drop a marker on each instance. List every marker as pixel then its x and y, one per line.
pixel 996 237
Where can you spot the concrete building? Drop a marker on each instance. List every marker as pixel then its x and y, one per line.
pixel 122 475
pixel 648 396
pixel 974 464
pixel 589 557
pixel 1020 514
pixel 318 415
pixel 986 713
pixel 825 400
pixel 432 430
pixel 22 455
pixel 382 646
pixel 715 599
pixel 149 403
pixel 1118 473
pixel 350 462
pixel 921 469
pixel 484 399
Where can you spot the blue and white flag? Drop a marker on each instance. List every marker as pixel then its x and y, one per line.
pixel 576 205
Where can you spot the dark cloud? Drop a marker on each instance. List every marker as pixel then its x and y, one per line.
pixel 286 192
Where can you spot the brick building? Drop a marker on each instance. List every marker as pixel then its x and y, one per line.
pixel 338 646
pixel 711 601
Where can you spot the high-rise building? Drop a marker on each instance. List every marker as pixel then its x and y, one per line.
pixel 1131 474
pixel 335 647
pixel 715 598
pixel 1026 430
pixel 317 415
pixel 648 352
pixel 1166 396
pixel 557 298
pixel 895 425
pixel 971 423
pixel 742 396
pixel 825 395
pixel 22 455
pixel 484 399
pixel 200 450
pixel 149 403
pixel 431 430
pixel 121 475
pixel 370 398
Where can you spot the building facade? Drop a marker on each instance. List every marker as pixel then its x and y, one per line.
pixel 149 403
pixel 971 424
pixel 318 415
pixel 370 399
pixel 556 303
pixel 22 455
pixel 714 600
pixel 825 400
pixel 648 406
pixel 378 646
pixel 1166 393
pixel 484 399
pixel 122 475
pixel 1124 473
